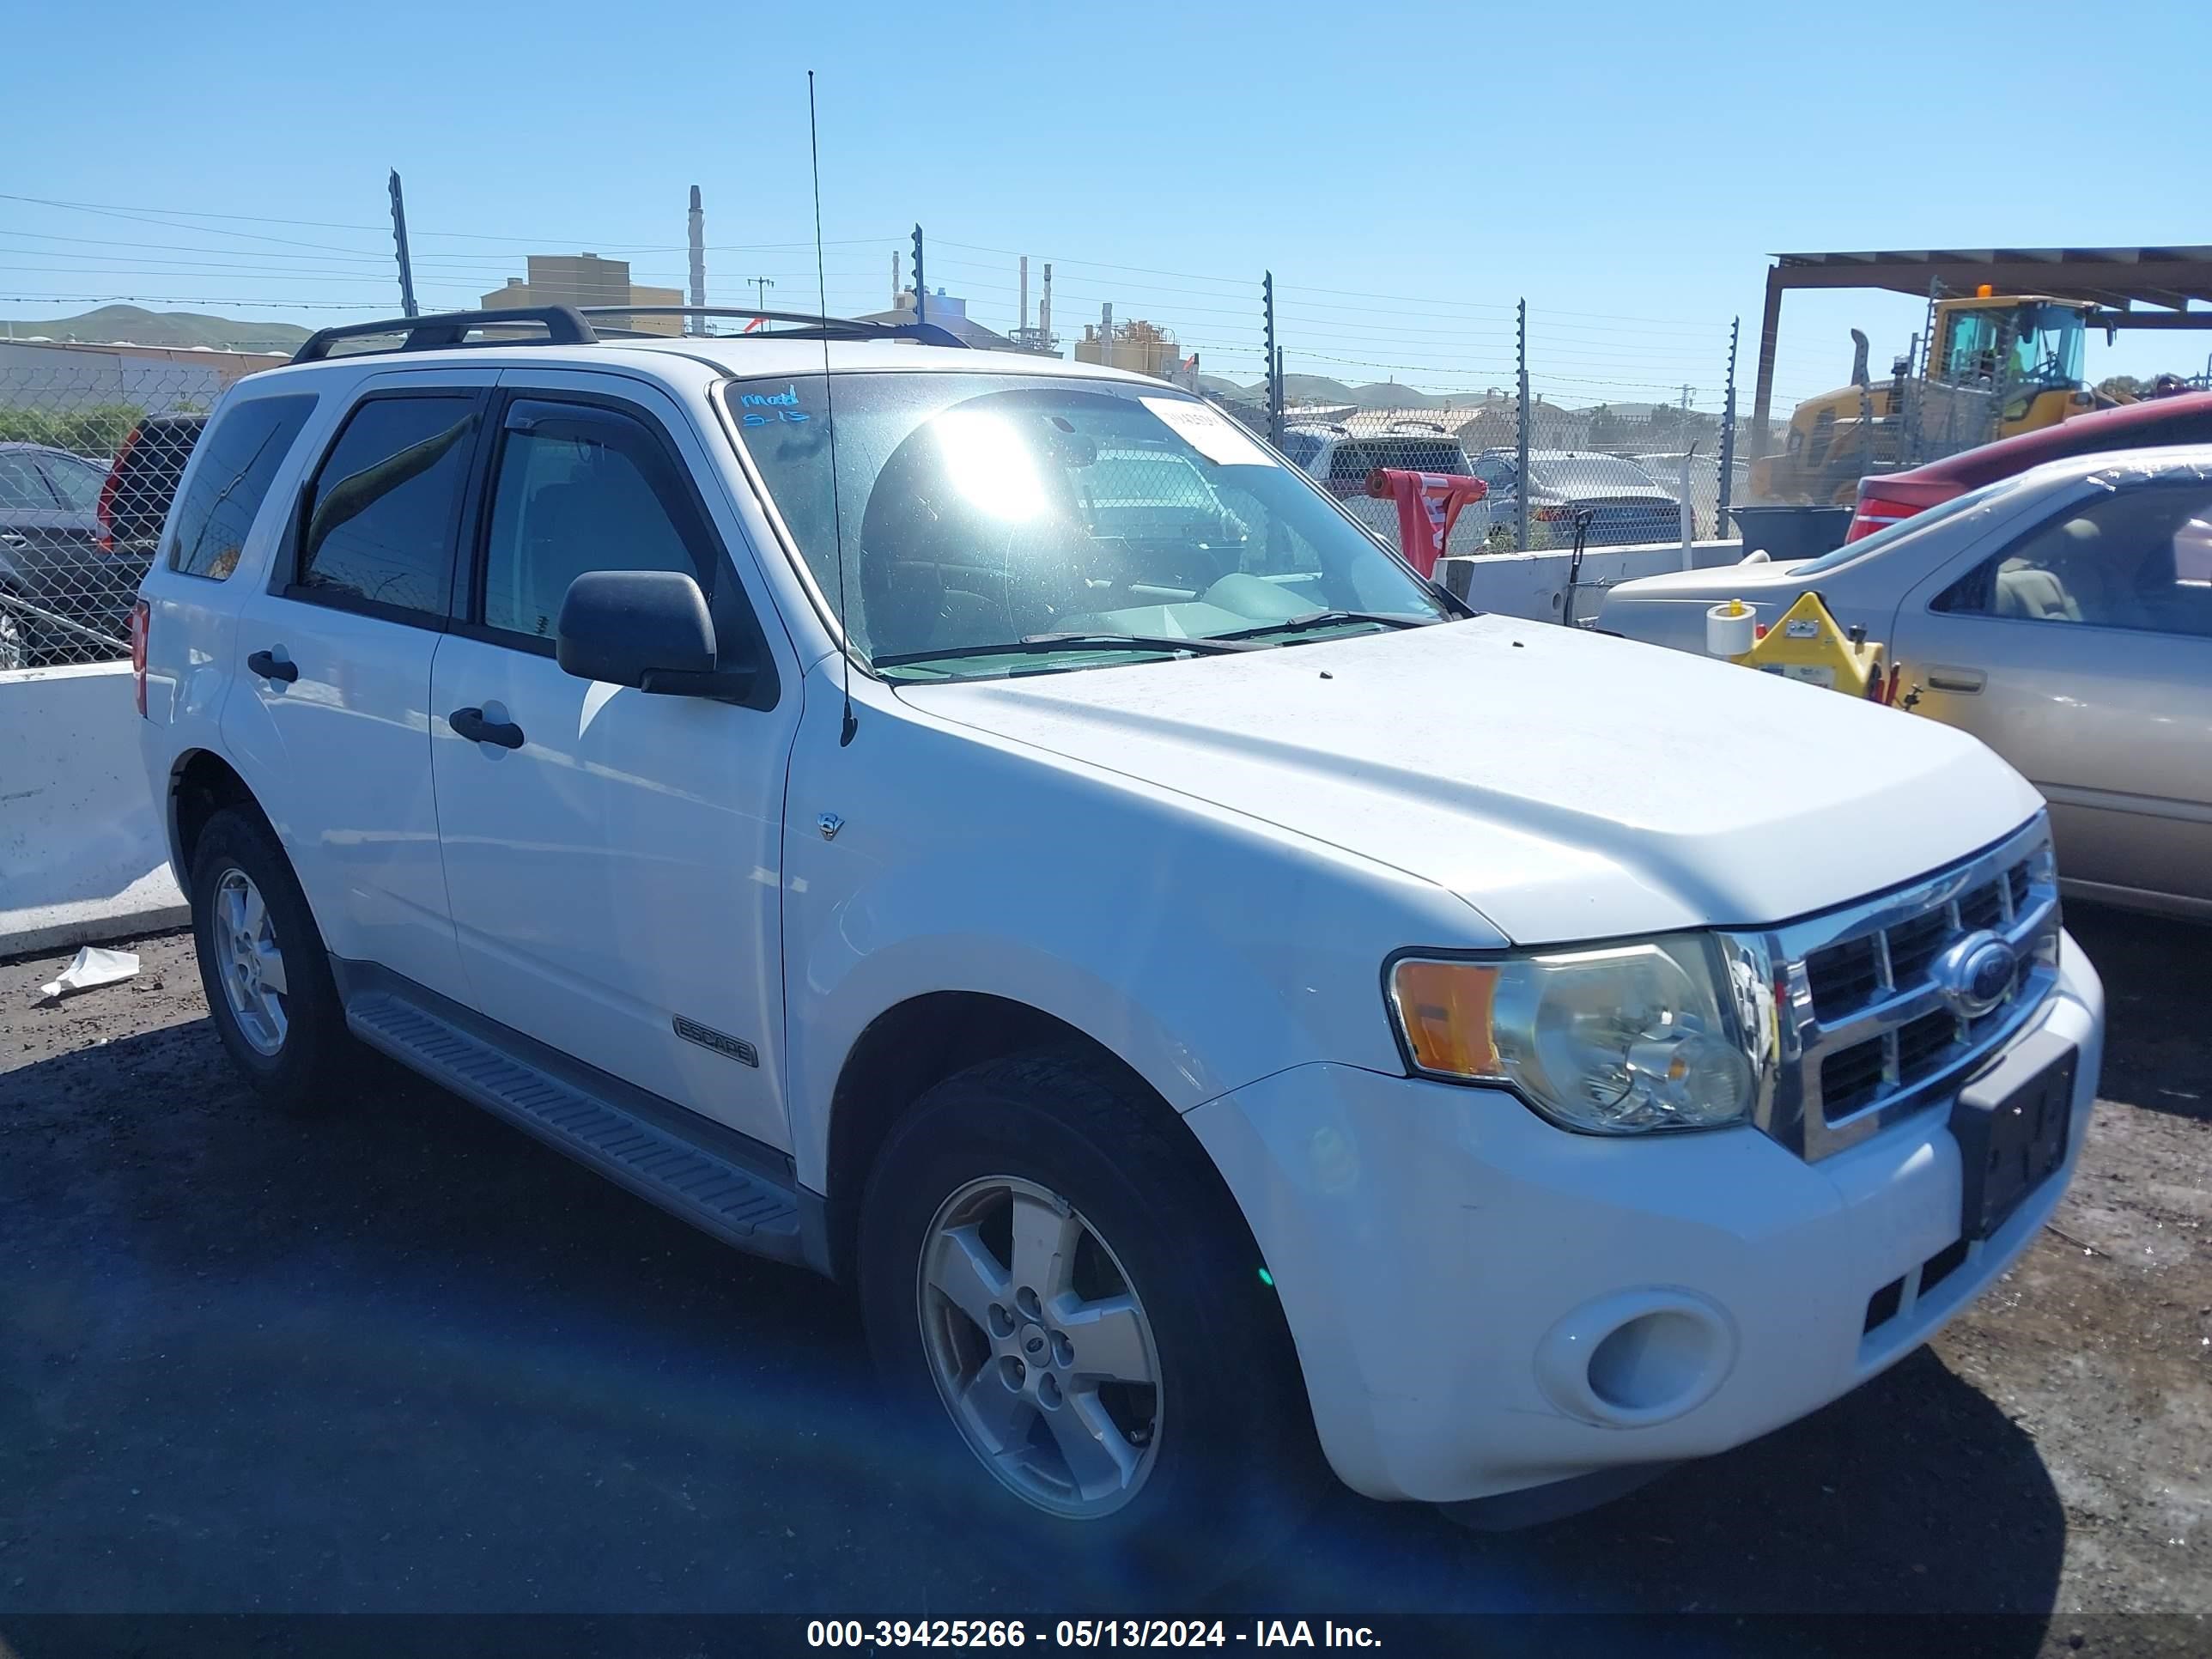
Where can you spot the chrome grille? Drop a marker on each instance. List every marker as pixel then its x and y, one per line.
pixel 1861 1031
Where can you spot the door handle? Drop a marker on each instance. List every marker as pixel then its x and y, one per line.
pixel 1966 681
pixel 11 539
pixel 471 723
pixel 269 668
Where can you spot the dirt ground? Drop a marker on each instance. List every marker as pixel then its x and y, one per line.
pixel 404 1359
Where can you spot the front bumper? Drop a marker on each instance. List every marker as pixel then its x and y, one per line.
pixel 1449 1264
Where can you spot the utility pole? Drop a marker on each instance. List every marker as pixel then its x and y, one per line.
pixel 697 324
pixel 399 241
pixel 761 286
pixel 920 287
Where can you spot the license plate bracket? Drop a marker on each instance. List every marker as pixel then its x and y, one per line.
pixel 2012 1136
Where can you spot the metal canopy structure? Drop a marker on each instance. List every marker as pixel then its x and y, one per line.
pixel 2117 280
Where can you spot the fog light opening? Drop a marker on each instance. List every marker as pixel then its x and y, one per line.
pixel 1652 1362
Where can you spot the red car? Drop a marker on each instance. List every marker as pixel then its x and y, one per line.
pixel 1884 499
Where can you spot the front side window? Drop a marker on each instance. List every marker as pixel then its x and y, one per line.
pixel 580 489
pixel 2137 558
pixel 380 520
pixel 983 510
pixel 237 459
pixel 21 486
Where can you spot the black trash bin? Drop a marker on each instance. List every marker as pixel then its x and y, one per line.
pixel 1792 533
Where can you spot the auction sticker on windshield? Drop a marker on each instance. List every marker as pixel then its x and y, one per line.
pixel 1210 432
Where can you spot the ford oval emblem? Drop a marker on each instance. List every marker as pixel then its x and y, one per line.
pixel 1976 974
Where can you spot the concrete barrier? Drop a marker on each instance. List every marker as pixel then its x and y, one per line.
pixel 83 854
pixel 1535 584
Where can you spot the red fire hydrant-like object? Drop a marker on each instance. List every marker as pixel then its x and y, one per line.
pixel 1428 504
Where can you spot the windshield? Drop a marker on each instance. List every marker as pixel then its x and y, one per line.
pixel 2036 344
pixel 1903 527
pixel 980 510
pixel 1587 472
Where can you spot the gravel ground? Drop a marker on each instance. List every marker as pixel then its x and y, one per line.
pixel 402 1359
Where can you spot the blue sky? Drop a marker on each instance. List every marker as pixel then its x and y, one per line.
pixel 1407 171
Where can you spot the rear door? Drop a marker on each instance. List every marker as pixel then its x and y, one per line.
pixel 615 873
pixel 2081 651
pixel 329 715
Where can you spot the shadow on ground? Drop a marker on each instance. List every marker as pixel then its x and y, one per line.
pixel 403 1358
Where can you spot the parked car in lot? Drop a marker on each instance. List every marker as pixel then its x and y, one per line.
pixel 1890 498
pixel 2064 615
pixel 1340 459
pixel 1110 943
pixel 1626 505
pixel 68 595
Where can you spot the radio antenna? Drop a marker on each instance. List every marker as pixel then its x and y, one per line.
pixel 830 414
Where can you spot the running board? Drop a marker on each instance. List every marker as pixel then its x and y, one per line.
pixel 739 1205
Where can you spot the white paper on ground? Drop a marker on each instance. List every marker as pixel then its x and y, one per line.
pixel 1210 432
pixel 94 966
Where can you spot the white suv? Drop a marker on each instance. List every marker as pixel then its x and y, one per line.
pixel 982 828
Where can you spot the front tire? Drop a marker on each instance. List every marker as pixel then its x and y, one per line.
pixel 264 967
pixel 1061 1294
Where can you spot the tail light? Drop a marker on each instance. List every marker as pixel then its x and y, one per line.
pixel 1551 515
pixel 107 492
pixel 1875 513
pixel 142 618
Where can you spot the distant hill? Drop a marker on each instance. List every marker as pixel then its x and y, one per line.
pixel 1319 389
pixel 135 325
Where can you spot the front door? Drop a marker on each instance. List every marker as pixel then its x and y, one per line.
pixel 615 870
pixel 2082 654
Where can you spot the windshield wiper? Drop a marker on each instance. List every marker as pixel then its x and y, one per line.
pixel 1320 619
pixel 1033 644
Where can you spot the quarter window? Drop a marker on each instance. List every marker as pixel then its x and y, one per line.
pixel 580 489
pixel 238 458
pixel 379 527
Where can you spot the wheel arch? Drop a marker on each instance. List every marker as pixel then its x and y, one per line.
pixel 915 1044
pixel 200 784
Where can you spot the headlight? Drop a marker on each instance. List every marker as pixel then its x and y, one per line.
pixel 1622 1039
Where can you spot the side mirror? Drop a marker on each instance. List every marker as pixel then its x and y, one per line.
pixel 647 628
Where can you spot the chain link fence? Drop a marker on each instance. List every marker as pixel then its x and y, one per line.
pixel 90 454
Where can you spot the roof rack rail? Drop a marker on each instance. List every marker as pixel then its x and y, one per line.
pixel 806 325
pixel 563 325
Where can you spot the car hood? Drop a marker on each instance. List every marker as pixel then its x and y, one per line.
pixel 1566 785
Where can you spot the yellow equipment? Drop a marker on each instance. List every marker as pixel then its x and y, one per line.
pixel 2024 349
pixel 1809 645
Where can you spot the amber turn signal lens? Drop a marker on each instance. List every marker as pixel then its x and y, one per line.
pixel 1445 1010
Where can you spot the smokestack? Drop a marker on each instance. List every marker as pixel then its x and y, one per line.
pixel 697 324
pixel 1025 293
pixel 1044 306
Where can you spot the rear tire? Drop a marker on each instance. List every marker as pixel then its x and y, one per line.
pixel 264 966
pixel 1117 1408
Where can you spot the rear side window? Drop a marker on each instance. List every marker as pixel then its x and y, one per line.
pixel 380 517
pixel 239 456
